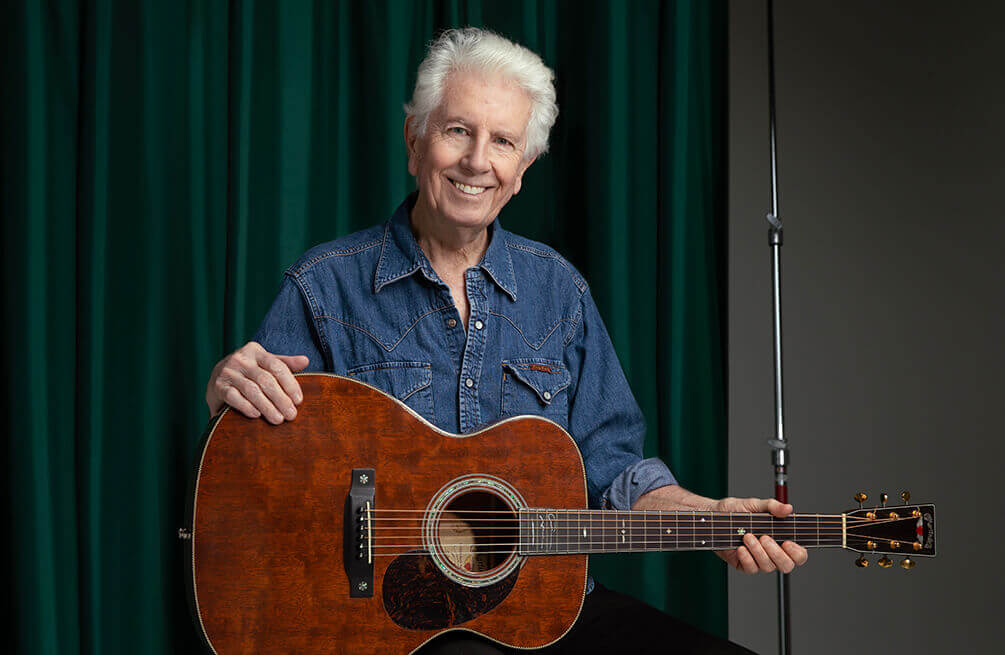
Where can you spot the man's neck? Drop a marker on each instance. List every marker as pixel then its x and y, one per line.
pixel 450 250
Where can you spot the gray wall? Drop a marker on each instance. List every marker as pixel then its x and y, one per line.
pixel 891 142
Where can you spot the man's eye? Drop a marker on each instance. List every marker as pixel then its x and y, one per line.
pixel 503 141
pixel 456 130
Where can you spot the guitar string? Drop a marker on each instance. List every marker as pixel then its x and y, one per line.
pixel 638 513
pixel 391 523
pixel 596 549
pixel 779 524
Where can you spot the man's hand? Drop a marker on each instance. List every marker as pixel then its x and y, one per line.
pixel 257 383
pixel 762 554
pixel 755 554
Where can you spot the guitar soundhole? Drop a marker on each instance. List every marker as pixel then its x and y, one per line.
pixel 478 531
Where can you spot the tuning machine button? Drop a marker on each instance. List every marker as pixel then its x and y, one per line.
pixel 907 564
pixel 860 498
pixel 883 497
pixel 885 562
pixel 905 496
pixel 861 562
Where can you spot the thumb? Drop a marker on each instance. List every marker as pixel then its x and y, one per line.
pixel 295 362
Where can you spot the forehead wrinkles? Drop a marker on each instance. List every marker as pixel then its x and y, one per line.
pixel 492 102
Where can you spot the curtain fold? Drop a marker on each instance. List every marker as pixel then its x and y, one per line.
pixel 163 162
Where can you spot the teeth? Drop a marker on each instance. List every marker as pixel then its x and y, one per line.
pixel 470 190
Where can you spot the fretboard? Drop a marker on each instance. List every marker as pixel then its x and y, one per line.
pixel 560 531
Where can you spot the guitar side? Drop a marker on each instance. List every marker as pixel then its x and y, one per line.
pixel 267 527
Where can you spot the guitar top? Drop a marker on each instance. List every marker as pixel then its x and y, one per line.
pixel 361 528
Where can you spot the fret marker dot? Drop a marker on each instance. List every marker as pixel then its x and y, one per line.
pixel 741 531
pixel 669 531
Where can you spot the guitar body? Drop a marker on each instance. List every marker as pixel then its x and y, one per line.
pixel 269 548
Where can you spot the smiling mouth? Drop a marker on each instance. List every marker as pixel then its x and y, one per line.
pixel 467 189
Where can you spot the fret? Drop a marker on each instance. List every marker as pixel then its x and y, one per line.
pixel 676 528
pixel 579 532
pixel 562 519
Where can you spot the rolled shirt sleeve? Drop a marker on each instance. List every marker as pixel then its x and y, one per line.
pixel 606 420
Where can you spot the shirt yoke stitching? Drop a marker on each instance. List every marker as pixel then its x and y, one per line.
pixel 576 279
pixel 333 253
pixel 543 341
pixel 383 345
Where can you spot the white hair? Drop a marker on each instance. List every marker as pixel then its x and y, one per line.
pixel 473 49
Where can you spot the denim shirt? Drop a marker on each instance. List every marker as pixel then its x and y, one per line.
pixel 369 306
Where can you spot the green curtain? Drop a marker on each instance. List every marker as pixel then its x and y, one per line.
pixel 162 162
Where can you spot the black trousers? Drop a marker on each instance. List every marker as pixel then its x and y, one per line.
pixel 610 623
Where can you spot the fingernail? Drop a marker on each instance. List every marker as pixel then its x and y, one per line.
pixel 297 398
pixel 291 414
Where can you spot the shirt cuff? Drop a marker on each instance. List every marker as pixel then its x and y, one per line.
pixel 638 479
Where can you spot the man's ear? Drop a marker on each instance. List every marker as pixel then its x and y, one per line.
pixel 519 175
pixel 411 146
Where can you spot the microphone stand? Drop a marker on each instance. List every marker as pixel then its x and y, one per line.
pixel 779 445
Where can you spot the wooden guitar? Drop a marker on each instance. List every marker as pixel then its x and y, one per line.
pixel 361 528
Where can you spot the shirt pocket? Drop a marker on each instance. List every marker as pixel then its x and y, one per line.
pixel 409 382
pixel 532 385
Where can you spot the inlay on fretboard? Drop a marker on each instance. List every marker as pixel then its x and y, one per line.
pixel 558 531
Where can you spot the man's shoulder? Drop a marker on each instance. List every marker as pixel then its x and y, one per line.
pixel 346 250
pixel 543 263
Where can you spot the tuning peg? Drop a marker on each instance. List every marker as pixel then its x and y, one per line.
pixel 885 562
pixel 883 498
pixel 860 498
pixel 905 496
pixel 907 564
pixel 861 562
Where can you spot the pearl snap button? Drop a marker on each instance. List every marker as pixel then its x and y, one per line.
pixel 547 395
pixel 479 325
pixel 452 323
pixel 469 383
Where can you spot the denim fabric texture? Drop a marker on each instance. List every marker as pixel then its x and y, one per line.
pixel 369 306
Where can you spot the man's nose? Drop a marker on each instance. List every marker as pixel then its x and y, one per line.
pixel 476 159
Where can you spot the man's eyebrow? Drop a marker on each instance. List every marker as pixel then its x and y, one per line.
pixel 512 136
pixel 509 135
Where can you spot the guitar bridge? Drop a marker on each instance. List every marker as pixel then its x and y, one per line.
pixel 357 536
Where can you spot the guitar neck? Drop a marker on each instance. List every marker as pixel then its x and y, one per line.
pixel 560 531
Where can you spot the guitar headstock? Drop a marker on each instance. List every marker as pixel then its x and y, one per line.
pixel 907 529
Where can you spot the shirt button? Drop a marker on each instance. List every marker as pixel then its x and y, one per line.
pixel 479 325
pixel 547 395
pixel 469 383
pixel 452 323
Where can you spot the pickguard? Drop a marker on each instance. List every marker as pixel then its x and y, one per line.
pixel 417 596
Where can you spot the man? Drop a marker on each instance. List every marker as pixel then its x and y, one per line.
pixel 467 323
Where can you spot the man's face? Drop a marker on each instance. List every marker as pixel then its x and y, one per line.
pixel 470 162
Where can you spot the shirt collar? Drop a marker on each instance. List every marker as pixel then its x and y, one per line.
pixel 401 256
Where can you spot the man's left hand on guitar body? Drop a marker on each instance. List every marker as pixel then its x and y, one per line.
pixel 762 554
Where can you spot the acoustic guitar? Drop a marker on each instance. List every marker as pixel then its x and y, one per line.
pixel 362 528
